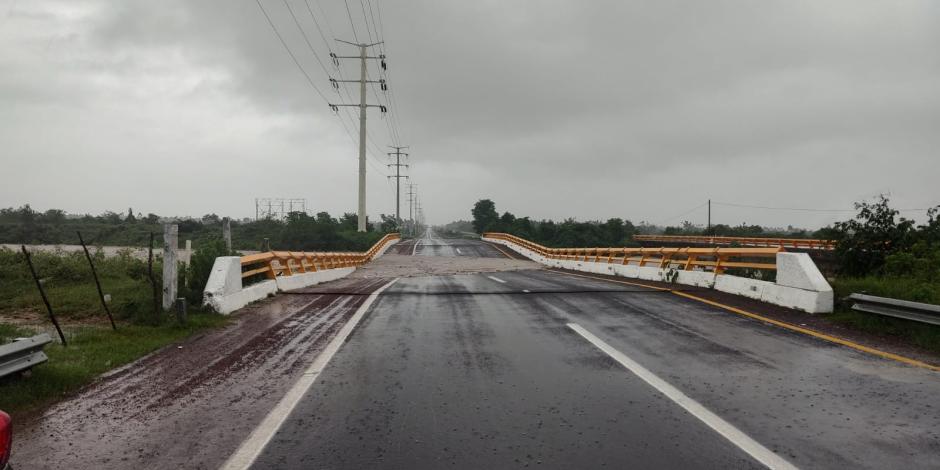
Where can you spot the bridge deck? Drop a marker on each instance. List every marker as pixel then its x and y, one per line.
pixel 471 359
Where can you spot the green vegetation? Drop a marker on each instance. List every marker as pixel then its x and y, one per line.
pixel 612 232
pixel 885 255
pixel 66 277
pixel 920 334
pixel 91 352
pixel 298 232
pixel 879 242
pixel 457 229
pixel 68 283
pixel 93 347
pixel 569 233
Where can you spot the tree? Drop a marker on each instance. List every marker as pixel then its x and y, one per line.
pixel 614 232
pixel 349 222
pixel 485 216
pixel 389 223
pixel 130 216
pixel 53 216
pixel 110 217
pixel 507 220
pixel 863 243
pixel 325 218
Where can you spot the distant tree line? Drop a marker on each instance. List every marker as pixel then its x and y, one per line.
pixel 298 231
pixel 568 233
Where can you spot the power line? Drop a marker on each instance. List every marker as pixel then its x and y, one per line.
pixel 290 53
pixel 396 117
pixel 682 214
pixel 323 67
pixel 306 75
pixel 306 39
pixel 365 19
pixel 799 209
pixel 378 31
pixel 352 23
pixel 317 24
pixel 325 71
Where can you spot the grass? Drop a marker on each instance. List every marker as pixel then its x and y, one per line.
pixel 920 334
pixel 68 283
pixel 91 352
pixel 93 347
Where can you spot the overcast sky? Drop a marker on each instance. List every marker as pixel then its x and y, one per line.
pixel 553 109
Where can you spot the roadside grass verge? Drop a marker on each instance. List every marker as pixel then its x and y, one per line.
pixel 919 334
pixel 67 280
pixel 91 351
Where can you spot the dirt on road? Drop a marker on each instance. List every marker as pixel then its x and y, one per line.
pixel 191 404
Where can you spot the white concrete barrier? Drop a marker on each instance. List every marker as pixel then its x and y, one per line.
pixel 799 283
pixel 224 292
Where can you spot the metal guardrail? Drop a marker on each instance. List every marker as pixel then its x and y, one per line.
pixel 688 259
pixel 915 311
pixel 286 263
pixel 23 354
pixel 798 243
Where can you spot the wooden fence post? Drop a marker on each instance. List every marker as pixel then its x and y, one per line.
pixel 42 293
pixel 94 274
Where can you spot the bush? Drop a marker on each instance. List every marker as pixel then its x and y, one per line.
pixel 200 267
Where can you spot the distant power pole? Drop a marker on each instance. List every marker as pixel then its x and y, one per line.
pixel 363 79
pixel 412 199
pixel 709 214
pixel 398 176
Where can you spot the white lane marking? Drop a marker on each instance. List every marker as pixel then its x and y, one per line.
pixel 251 448
pixel 526 291
pixel 726 429
pixel 458 251
pixel 415 250
pixel 497 279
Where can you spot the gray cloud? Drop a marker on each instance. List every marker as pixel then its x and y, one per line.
pixel 553 109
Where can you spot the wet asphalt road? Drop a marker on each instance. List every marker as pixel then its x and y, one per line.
pixel 483 371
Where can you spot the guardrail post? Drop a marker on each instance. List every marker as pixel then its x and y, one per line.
pixel 170 273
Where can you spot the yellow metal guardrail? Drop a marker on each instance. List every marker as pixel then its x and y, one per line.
pixel 798 243
pixel 688 259
pixel 287 263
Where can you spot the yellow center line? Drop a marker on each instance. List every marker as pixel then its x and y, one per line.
pixel 788 326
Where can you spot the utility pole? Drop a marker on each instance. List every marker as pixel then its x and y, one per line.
pixel 709 214
pixel 412 198
pixel 363 106
pixel 398 176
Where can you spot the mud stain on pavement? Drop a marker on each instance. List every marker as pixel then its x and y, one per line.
pixel 190 405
